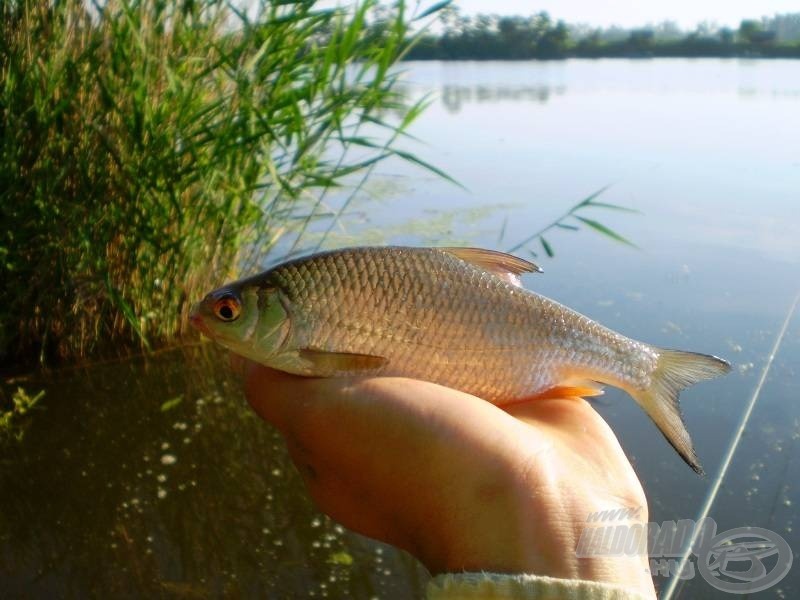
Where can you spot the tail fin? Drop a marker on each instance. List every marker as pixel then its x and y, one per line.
pixel 675 371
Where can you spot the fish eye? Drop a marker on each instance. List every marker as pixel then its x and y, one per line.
pixel 227 308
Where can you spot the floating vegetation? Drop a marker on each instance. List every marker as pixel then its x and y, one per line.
pixel 14 419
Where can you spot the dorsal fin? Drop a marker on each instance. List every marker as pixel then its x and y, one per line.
pixel 505 266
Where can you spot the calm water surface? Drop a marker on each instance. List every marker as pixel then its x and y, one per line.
pixel 154 478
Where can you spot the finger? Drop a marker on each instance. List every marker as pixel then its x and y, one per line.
pixel 293 403
pixel 356 508
pixel 345 499
pixel 273 394
pixel 576 426
pixel 572 421
pixel 238 365
pixel 304 460
pixel 559 412
pixel 571 417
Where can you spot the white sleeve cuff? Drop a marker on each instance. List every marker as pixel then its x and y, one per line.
pixel 499 586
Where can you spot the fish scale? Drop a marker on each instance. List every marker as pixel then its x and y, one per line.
pixel 459 325
pixel 453 316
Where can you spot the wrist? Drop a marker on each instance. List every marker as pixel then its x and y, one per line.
pixel 553 524
pixel 536 529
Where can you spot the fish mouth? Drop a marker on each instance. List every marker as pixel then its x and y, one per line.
pixel 197 321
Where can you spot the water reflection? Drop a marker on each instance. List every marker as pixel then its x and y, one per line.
pixel 775 93
pixel 454 96
pixel 155 479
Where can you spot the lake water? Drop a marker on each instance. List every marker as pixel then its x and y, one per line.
pixel 154 478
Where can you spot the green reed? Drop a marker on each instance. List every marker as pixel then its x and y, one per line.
pixel 150 148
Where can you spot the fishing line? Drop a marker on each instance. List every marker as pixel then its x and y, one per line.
pixel 712 495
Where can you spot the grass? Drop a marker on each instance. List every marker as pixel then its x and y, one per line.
pixel 150 148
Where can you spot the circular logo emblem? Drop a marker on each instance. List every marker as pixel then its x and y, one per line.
pixel 745 560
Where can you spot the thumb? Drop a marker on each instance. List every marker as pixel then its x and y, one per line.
pixel 274 395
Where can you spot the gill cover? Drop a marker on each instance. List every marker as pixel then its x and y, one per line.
pixel 273 325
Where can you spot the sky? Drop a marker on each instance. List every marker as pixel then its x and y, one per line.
pixel 630 13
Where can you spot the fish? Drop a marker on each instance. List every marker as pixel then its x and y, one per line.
pixel 458 317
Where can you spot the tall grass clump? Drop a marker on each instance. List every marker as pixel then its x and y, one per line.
pixel 149 148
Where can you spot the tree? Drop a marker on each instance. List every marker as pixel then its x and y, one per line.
pixel 753 33
pixel 554 43
pixel 641 41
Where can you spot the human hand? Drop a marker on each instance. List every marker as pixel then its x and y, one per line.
pixel 456 481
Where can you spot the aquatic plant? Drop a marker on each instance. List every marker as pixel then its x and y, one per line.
pixel 14 414
pixel 572 220
pixel 149 148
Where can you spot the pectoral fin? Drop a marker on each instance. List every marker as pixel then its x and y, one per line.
pixel 326 363
pixel 503 265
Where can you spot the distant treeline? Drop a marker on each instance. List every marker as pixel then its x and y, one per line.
pixel 493 37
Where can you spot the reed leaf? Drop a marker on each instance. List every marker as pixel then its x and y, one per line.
pixel 573 213
pixel 151 148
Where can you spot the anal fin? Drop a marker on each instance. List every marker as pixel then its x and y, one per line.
pixel 577 389
pixel 569 391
